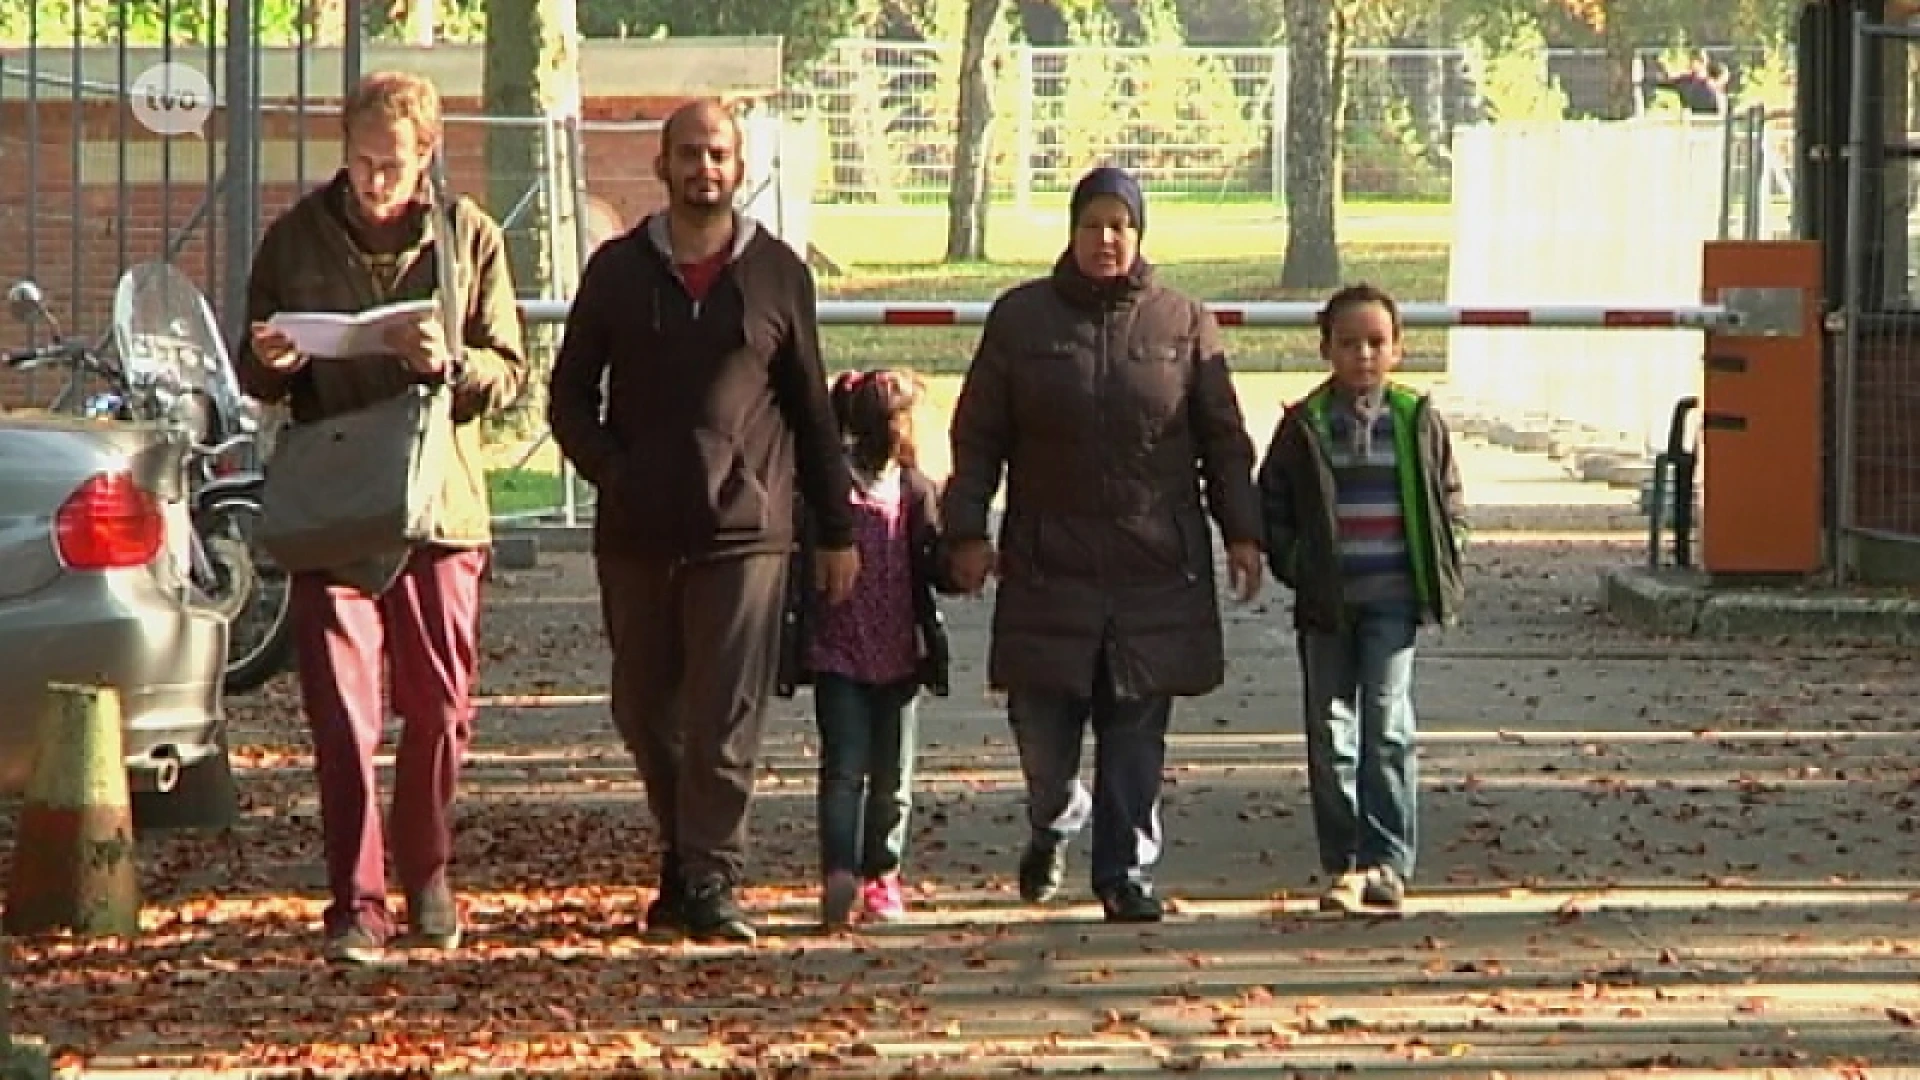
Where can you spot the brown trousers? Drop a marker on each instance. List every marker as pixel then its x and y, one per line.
pixel 695 646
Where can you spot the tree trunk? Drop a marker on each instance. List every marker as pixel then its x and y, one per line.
pixel 531 70
pixel 968 195
pixel 1313 167
pixel 1622 91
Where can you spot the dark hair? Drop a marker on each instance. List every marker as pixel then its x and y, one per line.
pixel 866 405
pixel 1353 296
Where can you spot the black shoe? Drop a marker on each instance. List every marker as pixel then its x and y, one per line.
pixel 433 919
pixel 666 916
pixel 1042 868
pixel 1132 902
pixel 712 914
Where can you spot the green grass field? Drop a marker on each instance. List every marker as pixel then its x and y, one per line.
pixel 1227 251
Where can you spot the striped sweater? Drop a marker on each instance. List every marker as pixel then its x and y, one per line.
pixel 1375 565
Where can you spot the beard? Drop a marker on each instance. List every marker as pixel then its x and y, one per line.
pixel 704 199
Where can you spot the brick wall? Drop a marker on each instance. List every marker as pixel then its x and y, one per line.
pixel 134 191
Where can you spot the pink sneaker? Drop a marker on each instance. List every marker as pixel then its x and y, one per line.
pixel 883 898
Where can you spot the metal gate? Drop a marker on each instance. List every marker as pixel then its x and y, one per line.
pixel 133 131
pixel 1877 371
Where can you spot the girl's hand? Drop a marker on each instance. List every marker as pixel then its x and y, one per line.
pixel 971 562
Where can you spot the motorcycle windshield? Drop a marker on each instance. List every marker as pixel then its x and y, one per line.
pixel 165 334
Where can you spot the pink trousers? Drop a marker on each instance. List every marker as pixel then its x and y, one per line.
pixel 418 638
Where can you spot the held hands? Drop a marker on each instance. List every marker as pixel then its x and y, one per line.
pixel 274 349
pixel 834 571
pixel 1245 569
pixel 970 563
pixel 422 346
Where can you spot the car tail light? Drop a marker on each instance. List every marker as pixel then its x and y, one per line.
pixel 109 523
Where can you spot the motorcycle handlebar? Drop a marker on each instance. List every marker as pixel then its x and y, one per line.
pixel 62 352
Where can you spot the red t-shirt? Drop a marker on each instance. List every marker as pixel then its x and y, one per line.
pixel 700 276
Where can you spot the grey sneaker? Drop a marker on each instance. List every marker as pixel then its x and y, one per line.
pixel 1343 897
pixel 355 947
pixel 713 915
pixel 1384 888
pixel 433 920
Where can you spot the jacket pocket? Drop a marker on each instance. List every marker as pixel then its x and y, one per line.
pixel 1157 374
pixel 736 498
pixel 1151 546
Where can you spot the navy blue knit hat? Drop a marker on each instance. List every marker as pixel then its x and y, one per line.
pixel 1107 180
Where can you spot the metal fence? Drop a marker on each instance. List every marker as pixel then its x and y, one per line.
pixel 1204 121
pixel 1877 392
pixel 97 186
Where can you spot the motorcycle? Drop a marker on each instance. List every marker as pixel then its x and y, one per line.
pixel 168 363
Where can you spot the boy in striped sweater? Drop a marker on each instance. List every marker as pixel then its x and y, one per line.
pixel 1364 522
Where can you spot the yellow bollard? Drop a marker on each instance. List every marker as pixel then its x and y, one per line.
pixel 73 864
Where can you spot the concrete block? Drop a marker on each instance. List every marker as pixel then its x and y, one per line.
pixel 1525 437
pixel 1885 560
pixel 25 1060
pixel 1595 465
pixel 516 550
pixel 1826 617
pixel 1630 473
pixel 1664 601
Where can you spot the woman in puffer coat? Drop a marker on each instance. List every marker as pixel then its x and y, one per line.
pixel 1105 400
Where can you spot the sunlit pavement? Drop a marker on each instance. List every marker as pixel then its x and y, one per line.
pixel 1638 854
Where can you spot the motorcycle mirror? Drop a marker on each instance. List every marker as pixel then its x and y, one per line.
pixel 28 304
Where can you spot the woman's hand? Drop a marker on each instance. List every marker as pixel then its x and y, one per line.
pixel 1246 570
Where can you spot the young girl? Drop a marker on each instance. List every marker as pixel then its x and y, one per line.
pixel 1364 521
pixel 869 656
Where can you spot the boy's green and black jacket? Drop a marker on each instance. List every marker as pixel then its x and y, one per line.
pixel 1298 500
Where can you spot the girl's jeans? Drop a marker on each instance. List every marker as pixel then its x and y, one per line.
pixel 1361 766
pixel 868 738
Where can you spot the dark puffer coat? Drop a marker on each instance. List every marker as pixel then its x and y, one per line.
pixel 1110 410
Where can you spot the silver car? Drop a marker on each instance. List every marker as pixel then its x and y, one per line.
pixel 94 548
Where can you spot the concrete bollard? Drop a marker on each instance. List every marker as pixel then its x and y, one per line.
pixel 73 856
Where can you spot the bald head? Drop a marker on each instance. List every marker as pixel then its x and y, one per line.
pixel 699 160
pixel 700 113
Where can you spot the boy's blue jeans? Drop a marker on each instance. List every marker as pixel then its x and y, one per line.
pixel 1361 767
pixel 869 735
pixel 1130 747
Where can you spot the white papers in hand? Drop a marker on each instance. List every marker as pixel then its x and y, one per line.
pixel 337 334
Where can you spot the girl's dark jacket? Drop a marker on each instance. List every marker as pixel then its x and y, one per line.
pixel 1298 500
pixel 929 577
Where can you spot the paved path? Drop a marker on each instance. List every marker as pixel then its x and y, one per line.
pixel 1639 853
